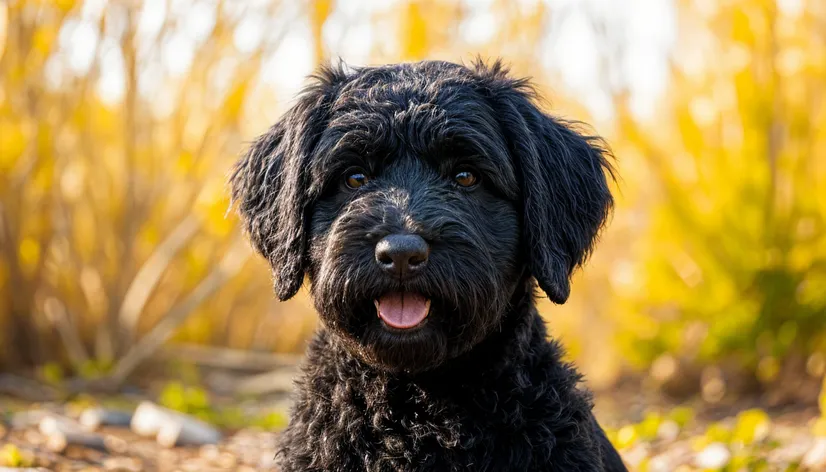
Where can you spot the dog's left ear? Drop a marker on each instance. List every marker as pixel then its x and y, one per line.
pixel 565 193
pixel 270 182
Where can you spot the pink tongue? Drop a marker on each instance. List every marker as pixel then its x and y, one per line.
pixel 402 310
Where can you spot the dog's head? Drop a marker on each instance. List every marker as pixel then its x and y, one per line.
pixel 418 198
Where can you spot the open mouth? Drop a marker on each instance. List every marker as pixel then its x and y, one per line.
pixel 402 310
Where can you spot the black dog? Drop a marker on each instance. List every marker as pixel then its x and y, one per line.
pixel 423 200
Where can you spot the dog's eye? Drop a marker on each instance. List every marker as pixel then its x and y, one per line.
pixel 355 179
pixel 466 178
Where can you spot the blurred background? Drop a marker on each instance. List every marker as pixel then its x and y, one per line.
pixel 119 121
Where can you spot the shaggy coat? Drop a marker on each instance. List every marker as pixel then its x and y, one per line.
pixel 499 197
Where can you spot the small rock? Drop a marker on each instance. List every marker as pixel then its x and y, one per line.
pixel 714 456
pixel 247 456
pixel 122 464
pixel 789 452
pixel 209 452
pixel 195 465
pixel 660 463
pixel 266 460
pixel 51 424
pixel 115 444
pixel 33 437
pixel 636 454
pixel 166 456
pixel 668 430
pixel 226 461
pixel 815 458
pixel 146 421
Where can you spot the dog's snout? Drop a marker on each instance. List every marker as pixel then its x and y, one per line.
pixel 402 255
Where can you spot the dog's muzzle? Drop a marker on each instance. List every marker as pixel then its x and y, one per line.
pixel 402 256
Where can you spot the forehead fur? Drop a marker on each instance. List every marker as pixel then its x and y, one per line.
pixel 427 109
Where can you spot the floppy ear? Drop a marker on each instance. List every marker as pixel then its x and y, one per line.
pixel 270 184
pixel 565 192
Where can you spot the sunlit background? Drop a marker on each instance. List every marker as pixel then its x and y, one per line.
pixel 119 121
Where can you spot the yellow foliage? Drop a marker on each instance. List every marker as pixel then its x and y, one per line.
pixel 735 230
pixel 717 250
pixel 647 429
pixel 717 432
pixel 819 427
pixel 682 416
pixel 52 373
pixel 90 189
pixel 320 10
pixel 767 369
pixel 11 456
pixel 43 40
pixel 12 145
pixel 751 426
pixel 414 31
pixel 235 100
pixel 29 253
pixel 186 399
pixel 626 437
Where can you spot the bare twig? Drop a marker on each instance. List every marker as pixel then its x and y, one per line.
pixel 150 273
pixel 171 428
pixel 133 212
pixel 279 380
pixel 26 389
pixel 56 314
pixel 274 381
pixel 62 432
pixel 29 418
pixel 93 418
pixel 231 263
pixel 225 358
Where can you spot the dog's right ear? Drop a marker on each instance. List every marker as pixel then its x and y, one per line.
pixel 564 176
pixel 270 182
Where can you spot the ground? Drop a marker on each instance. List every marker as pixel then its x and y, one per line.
pixel 653 433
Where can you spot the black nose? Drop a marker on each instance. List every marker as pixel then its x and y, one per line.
pixel 402 255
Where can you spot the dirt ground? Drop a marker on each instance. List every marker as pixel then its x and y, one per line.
pixel 782 441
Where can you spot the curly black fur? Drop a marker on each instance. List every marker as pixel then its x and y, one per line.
pixel 477 385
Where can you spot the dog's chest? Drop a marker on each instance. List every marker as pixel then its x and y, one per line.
pixel 488 431
pixel 404 427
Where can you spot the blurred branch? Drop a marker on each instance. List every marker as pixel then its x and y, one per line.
pixel 22 331
pixel 281 380
pixel 228 358
pixel 56 314
pixel 133 213
pixel 774 126
pixel 27 389
pixel 231 263
pixel 150 274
